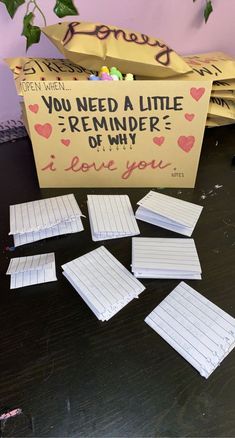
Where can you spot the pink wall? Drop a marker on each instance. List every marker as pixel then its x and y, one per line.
pixel 178 22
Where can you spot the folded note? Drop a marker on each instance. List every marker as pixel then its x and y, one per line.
pixel 168 212
pixel 195 327
pixel 103 282
pixel 111 216
pixel 26 271
pixel 36 220
pixel 154 257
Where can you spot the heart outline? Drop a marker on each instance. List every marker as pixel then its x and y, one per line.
pixel 159 140
pixel 186 143
pixel 43 130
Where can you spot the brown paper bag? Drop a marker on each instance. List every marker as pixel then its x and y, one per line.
pixel 227 94
pixel 93 45
pixel 214 122
pixel 224 85
pixel 222 108
pixel 214 66
pixel 45 69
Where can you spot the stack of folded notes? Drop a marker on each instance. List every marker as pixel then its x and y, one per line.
pixel 195 327
pixel 103 282
pixel 36 220
pixel 168 212
pixel 26 271
pixel 154 257
pixel 111 217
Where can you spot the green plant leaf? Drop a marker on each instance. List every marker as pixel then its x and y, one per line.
pixel 64 8
pixel 208 9
pixel 12 6
pixel 32 33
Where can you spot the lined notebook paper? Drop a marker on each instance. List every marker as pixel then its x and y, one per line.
pixel 103 282
pixel 168 212
pixel 111 216
pixel 26 271
pixel 36 220
pixel 154 257
pixel 195 327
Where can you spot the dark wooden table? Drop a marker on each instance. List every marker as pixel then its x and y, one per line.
pixel 74 376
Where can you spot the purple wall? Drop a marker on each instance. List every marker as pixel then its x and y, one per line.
pixel 179 23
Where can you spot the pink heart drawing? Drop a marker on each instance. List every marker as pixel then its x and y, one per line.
pixel 197 93
pixel 158 140
pixel 34 108
pixel 189 117
pixel 43 130
pixel 186 143
pixel 65 141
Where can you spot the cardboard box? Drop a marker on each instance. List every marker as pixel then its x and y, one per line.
pixel 116 133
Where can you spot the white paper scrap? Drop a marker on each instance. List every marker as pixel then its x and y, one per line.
pixel 169 212
pixel 103 282
pixel 195 327
pixel 111 217
pixel 154 257
pixel 26 271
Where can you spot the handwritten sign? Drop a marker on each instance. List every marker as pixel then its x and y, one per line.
pixel 217 67
pixel 116 134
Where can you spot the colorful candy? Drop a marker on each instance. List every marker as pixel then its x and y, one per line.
pixel 94 78
pixel 105 77
pixel 129 77
pixel 104 69
pixel 115 72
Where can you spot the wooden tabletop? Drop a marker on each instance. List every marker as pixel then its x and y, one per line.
pixel 74 376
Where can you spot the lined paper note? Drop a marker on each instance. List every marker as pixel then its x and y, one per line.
pixel 36 220
pixel 154 257
pixel 68 227
pixel 195 327
pixel 111 216
pixel 168 212
pixel 26 271
pixel 103 282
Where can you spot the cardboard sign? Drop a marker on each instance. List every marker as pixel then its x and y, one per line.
pixel 116 134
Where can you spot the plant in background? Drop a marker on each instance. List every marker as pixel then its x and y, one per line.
pixel 32 33
pixel 62 8
pixel 207 9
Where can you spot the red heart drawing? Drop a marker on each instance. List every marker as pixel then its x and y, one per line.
pixel 158 140
pixel 197 93
pixel 189 117
pixel 65 141
pixel 34 108
pixel 186 143
pixel 43 130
